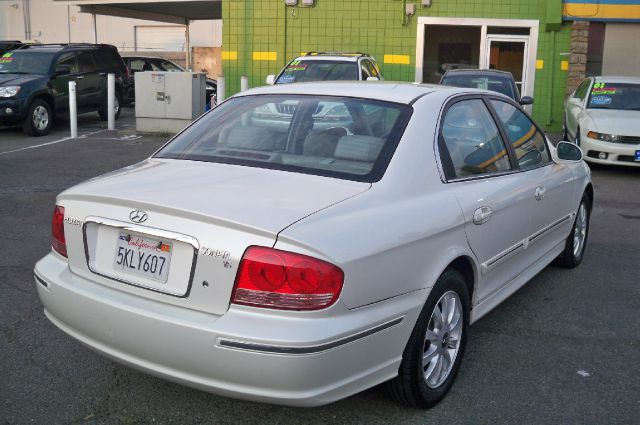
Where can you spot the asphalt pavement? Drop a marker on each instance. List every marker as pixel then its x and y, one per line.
pixel 562 350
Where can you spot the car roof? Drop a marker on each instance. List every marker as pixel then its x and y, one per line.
pixel 55 47
pixel 337 58
pixel 485 72
pixel 614 79
pixel 146 57
pixel 398 92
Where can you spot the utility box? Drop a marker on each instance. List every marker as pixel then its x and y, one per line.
pixel 168 101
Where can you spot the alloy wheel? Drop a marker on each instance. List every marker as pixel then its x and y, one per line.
pixel 580 231
pixel 442 339
pixel 40 118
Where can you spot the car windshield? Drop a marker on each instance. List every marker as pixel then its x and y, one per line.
pixel 347 138
pixel 493 83
pixel 25 62
pixel 318 70
pixel 621 96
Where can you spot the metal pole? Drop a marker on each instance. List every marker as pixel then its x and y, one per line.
pixel 111 97
pixel 73 111
pixel 188 43
pixel 220 96
pixel 95 28
pixel 244 83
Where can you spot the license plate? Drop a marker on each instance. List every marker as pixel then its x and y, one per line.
pixel 143 256
pixel 637 155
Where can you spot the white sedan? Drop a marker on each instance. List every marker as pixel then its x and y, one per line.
pixel 603 117
pixel 300 256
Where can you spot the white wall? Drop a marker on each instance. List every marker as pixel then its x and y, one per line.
pixel 621 53
pixel 58 23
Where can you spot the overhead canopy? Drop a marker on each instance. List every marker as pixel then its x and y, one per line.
pixel 173 11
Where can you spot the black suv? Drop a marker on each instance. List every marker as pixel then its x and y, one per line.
pixel 34 82
pixel 487 79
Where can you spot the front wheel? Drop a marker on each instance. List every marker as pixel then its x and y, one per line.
pixel 577 241
pixel 39 118
pixel 432 357
pixel 116 107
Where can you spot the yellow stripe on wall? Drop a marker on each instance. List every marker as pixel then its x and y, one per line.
pixel 601 11
pixel 564 65
pixel 539 64
pixel 265 56
pixel 229 56
pixel 398 59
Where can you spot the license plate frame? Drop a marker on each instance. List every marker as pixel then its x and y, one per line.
pixel 143 256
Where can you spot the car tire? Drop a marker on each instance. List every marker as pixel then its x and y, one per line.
pixel 421 381
pixel 118 107
pixel 577 240
pixel 39 118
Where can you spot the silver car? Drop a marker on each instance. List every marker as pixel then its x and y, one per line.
pixel 299 264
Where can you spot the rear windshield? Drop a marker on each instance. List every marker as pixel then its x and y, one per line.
pixel 347 138
pixel 615 96
pixel 25 62
pixel 497 84
pixel 318 70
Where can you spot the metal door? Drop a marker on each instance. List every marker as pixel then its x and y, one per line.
pixel 509 53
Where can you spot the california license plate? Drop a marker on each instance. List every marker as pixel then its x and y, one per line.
pixel 143 256
pixel 637 155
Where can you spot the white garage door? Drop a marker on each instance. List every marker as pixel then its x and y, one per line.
pixel 161 38
pixel 621 54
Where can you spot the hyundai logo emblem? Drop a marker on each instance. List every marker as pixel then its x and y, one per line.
pixel 138 216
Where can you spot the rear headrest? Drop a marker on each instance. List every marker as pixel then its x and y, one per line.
pixel 359 148
pixel 250 138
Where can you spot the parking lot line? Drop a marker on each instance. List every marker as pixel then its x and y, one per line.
pixel 64 139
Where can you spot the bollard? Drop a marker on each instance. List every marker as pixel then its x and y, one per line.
pixel 73 110
pixel 220 96
pixel 111 100
pixel 244 83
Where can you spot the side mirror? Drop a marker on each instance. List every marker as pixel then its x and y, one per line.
pixel 566 152
pixel 526 100
pixel 373 79
pixel 271 79
pixel 62 70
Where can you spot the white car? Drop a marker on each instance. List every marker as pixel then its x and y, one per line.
pixel 298 264
pixel 328 66
pixel 603 117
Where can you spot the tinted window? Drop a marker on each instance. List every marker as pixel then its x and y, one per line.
pixel 494 83
pixel 70 60
pixel 86 62
pixel 136 65
pixel 525 139
pixel 318 70
pixel 24 62
pixel 338 137
pixel 582 89
pixel 108 58
pixel 615 96
pixel 473 141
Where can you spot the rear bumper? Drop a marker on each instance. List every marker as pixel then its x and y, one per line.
pixel 289 359
pixel 616 153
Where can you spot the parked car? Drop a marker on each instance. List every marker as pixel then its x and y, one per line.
pixel 299 264
pixel 142 63
pixel 328 66
pixel 34 82
pixel 602 116
pixel 6 45
pixel 486 79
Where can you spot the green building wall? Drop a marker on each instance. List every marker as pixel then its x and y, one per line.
pixel 261 36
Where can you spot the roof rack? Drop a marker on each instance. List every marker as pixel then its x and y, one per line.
pixel 62 45
pixel 336 54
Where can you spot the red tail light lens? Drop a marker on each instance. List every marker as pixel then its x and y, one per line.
pixel 284 280
pixel 58 243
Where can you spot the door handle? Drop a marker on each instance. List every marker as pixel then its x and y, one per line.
pixel 79 77
pixel 102 74
pixel 482 215
pixel 540 192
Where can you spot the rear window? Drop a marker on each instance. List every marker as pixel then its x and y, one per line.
pixel 497 84
pixel 318 70
pixel 346 138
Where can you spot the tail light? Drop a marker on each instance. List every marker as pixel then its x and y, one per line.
pixel 58 242
pixel 284 280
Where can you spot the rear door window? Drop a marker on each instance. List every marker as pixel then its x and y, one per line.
pixel 86 63
pixel 472 141
pixel 70 60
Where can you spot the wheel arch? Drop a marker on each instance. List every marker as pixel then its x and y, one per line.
pixel 588 190
pixel 467 267
pixel 47 97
